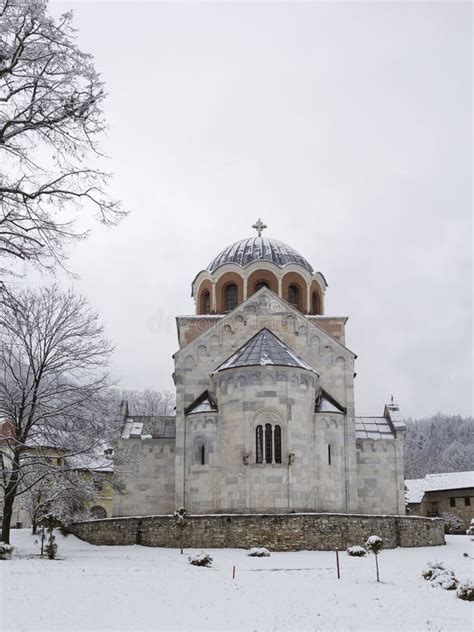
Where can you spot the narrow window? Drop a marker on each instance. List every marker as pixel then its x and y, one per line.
pixel 452 502
pixel 294 295
pixel 259 444
pixel 203 454
pixel 467 502
pixel 230 297
pixel 260 284
pixel 329 454
pixel 315 304
pixel 268 443
pixel 277 441
pixel 206 302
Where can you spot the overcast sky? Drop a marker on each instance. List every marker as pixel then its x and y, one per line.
pixel 346 127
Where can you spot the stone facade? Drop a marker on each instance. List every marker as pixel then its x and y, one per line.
pixel 277 532
pixel 322 457
pixel 455 501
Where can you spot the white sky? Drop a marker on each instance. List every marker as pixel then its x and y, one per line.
pixel 346 127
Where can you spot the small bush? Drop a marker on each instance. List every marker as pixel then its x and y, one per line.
pixel 356 551
pixel 374 544
pixel 201 559
pixel 452 522
pixel 259 552
pixel 5 551
pixel 465 591
pixel 470 529
pixel 438 574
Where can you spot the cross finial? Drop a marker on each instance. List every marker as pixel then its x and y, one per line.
pixel 259 226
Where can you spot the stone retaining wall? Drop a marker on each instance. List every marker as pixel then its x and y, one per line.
pixel 277 532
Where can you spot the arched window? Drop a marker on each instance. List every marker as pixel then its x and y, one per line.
pixel 259 444
pixel 230 297
pixel 268 443
pixel 315 303
pixel 294 295
pixel 277 442
pixel 260 284
pixel 98 513
pixel 200 456
pixel 205 302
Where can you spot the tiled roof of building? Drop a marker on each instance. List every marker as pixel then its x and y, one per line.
pixel 246 251
pixel 373 428
pixel 203 404
pixel 264 349
pixel 416 487
pixel 149 427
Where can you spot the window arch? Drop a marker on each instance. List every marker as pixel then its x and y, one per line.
pixel 315 303
pixel 200 452
pixel 268 443
pixel 277 443
pixel 206 302
pixel 294 295
pixel 259 444
pixel 230 297
pixel 98 513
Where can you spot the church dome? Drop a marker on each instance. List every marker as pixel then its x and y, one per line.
pixel 246 251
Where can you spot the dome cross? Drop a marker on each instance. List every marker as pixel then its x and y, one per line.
pixel 259 226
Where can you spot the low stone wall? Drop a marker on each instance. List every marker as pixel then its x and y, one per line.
pixel 277 532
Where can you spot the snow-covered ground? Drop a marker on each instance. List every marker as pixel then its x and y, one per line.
pixel 138 588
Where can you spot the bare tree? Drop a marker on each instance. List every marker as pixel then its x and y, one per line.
pixel 50 123
pixel 54 387
pixel 149 402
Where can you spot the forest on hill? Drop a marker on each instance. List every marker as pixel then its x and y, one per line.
pixel 442 443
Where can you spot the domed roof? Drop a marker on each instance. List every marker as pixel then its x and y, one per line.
pixel 246 251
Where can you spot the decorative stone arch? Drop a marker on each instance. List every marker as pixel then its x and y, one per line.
pixel 294 279
pixel 261 276
pixel 268 437
pixel 316 299
pixel 222 285
pixel 204 303
pixel 200 450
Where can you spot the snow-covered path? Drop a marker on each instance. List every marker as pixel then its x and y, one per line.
pixel 137 588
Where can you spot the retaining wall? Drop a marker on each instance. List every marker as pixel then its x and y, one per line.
pixel 277 532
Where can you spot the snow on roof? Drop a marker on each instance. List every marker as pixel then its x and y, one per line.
pixel 264 349
pixel 373 428
pixel 203 404
pixel 154 426
pixel 416 487
pixel 94 462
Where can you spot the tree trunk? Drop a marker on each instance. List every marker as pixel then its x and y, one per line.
pixel 377 566
pixel 7 517
pixel 33 527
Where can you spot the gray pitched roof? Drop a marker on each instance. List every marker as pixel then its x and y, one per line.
pixel 373 428
pixel 264 349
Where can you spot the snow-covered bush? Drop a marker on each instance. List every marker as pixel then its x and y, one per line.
pixel 50 521
pixel 470 529
pixel 466 590
pixel 201 559
pixel 452 522
pixel 438 574
pixel 374 544
pixel 259 552
pixel 356 551
pixel 180 516
pixel 5 551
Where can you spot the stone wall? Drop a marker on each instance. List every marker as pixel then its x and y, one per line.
pixel 277 532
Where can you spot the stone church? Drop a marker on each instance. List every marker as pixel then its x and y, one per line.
pixel 265 417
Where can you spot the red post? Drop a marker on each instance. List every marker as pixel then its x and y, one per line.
pixel 233 572
pixel 337 563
